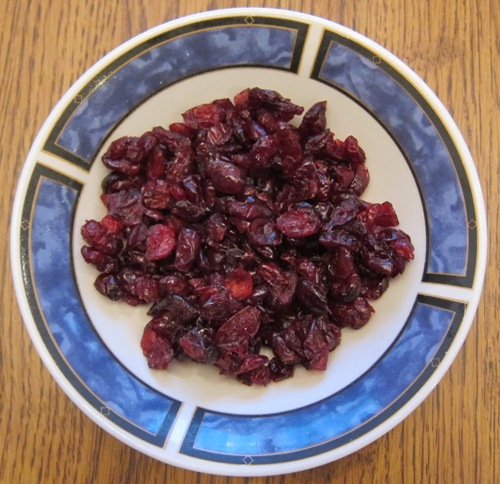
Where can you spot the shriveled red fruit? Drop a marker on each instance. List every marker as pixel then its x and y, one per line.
pixel 219 305
pixel 353 151
pixel 204 116
pixel 321 338
pixel 257 376
pixel 264 232
pixel 234 335
pixel 187 248
pixel 279 370
pixel 199 345
pixel 251 363
pixel 156 194
pixel 247 208
pixel 108 285
pixel 226 177
pixel 313 296
pixel 240 283
pixel 173 284
pixel 399 241
pixel 126 154
pixel 103 262
pixel 157 349
pixel 290 153
pixel 125 205
pixel 98 237
pixel 142 287
pixel 314 120
pixel 344 280
pixel 280 107
pixel 354 314
pixel 379 215
pixel 263 152
pixel 112 225
pixel 299 222
pixel 160 242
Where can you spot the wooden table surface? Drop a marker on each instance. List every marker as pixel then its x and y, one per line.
pixel 454 45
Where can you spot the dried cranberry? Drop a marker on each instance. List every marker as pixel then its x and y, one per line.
pixel 264 232
pixel 108 285
pixel 240 283
pixel 320 339
pixel 314 120
pixel 157 349
pixel 263 152
pixel 280 370
pixel 337 238
pixel 234 335
pixel 97 236
pixel 204 116
pixel 173 284
pixel 313 296
pixel 103 262
pixel 219 305
pixel 226 177
pixel 373 287
pixel 273 101
pixel 156 194
pixel 157 163
pixel 187 248
pixel 251 362
pixel 281 295
pixel 398 241
pixel 379 215
pixel 126 206
pixel 247 208
pixel 199 345
pixel 345 282
pixel 299 222
pixel 259 376
pixel 112 225
pixel 354 314
pixel 160 242
pixel 175 307
pixel 125 155
pixel 141 286
pixel 305 181
pixel 290 153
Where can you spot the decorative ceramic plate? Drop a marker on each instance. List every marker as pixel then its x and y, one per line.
pixel 190 416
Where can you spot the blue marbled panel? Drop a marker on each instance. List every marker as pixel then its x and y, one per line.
pixel 165 64
pixel 93 367
pixel 329 423
pixel 381 94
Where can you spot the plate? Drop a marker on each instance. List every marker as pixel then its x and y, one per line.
pixel 190 416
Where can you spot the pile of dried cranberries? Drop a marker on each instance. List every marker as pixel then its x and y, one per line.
pixel 244 231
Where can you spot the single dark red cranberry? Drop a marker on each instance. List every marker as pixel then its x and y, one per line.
pixel 240 283
pixel 160 242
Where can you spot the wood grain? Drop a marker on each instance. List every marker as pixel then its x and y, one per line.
pixel 453 437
